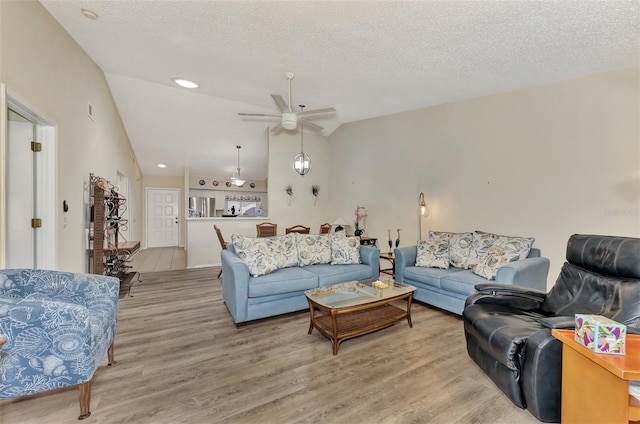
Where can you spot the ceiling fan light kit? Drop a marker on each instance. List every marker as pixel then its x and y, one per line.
pixel 302 161
pixel 289 118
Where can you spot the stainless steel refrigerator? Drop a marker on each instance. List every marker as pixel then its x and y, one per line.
pixel 202 207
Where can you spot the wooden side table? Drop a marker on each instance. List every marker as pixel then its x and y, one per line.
pixel 595 386
pixel 389 257
pixel 368 241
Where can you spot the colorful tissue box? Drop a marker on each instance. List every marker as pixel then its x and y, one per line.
pixel 600 334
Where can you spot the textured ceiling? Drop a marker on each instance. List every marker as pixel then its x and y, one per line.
pixel 364 58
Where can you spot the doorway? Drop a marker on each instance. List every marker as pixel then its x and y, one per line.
pixel 29 188
pixel 163 217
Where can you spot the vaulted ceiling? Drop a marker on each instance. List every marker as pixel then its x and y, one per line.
pixel 364 58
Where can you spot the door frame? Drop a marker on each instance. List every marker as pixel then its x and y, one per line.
pixel 47 178
pixel 146 212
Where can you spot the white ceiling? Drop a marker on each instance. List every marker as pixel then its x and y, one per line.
pixel 364 58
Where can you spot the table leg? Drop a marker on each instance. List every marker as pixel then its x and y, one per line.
pixel 334 325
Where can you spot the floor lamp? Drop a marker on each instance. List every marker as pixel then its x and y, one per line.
pixel 422 211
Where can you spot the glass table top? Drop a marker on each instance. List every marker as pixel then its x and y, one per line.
pixel 355 293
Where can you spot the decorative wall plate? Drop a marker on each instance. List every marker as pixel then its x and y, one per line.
pixel 215 183
pixel 228 184
pixel 252 185
pixel 201 182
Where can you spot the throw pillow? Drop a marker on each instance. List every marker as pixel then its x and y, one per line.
pixel 314 248
pixel 519 245
pixel 460 247
pixel 433 254
pixel 345 250
pixel 286 250
pixel 256 253
pixel 481 243
pixel 492 260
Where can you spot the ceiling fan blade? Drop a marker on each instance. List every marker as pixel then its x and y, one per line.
pixel 311 125
pixel 258 114
pixel 277 128
pixel 313 112
pixel 280 102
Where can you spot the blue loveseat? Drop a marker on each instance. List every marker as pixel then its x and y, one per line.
pixel 59 326
pixel 282 291
pixel 449 288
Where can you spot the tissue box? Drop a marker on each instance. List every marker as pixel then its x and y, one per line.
pixel 600 334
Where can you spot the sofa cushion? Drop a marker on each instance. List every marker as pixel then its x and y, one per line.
pixel 460 247
pixel 428 276
pixel 345 250
pixel 433 253
pixel 282 280
pixel 314 248
pixel 333 274
pixel 495 257
pixel 256 253
pixel 463 282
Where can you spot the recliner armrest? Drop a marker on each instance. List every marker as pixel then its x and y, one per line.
pixel 515 297
pixel 496 288
pixel 562 322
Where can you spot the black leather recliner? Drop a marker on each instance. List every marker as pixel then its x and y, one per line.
pixel 508 329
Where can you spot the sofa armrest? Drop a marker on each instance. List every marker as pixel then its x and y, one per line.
pixel 235 285
pixel 371 256
pixel 405 256
pixel 529 272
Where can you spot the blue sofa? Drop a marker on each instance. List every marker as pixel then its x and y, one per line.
pixel 281 291
pixel 59 326
pixel 449 288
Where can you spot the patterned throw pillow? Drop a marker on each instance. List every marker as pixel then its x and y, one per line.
pixel 259 254
pixel 460 247
pixel 519 245
pixel 495 257
pixel 286 250
pixel 345 250
pixel 433 254
pixel 481 243
pixel 314 248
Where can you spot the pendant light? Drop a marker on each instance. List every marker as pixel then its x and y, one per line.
pixel 302 161
pixel 236 180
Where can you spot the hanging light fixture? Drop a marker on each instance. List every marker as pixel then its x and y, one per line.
pixel 236 180
pixel 302 161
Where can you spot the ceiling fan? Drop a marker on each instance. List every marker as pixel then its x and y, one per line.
pixel 289 118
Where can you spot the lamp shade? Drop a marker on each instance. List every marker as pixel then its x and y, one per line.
pixel 340 221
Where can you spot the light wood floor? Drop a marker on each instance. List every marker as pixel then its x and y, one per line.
pixel 181 360
pixel 159 259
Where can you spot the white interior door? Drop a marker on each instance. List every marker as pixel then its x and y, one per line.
pixel 21 193
pixel 163 217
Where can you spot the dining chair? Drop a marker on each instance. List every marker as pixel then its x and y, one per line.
pixel 266 229
pixel 325 228
pixel 223 243
pixel 298 229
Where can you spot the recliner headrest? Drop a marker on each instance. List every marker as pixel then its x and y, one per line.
pixel 608 255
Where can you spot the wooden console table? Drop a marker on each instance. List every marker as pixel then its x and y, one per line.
pixel 595 386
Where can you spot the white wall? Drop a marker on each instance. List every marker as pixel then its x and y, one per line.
pixel 547 162
pixel 42 64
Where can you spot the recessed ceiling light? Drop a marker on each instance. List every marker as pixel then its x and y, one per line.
pixel 162 165
pixel 90 14
pixel 185 83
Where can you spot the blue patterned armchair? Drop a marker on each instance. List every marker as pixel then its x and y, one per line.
pixel 58 327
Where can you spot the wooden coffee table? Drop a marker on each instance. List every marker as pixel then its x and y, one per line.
pixel 348 310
